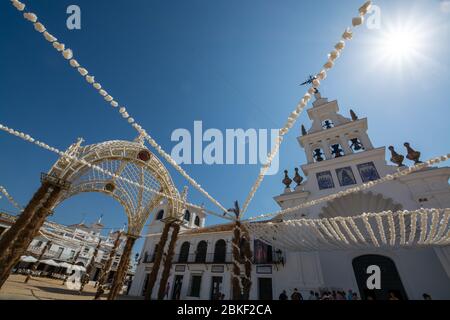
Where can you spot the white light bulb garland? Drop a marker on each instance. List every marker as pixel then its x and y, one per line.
pixel 296 234
pixel 10 198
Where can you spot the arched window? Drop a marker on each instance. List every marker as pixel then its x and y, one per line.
pixel 356 145
pixel 318 154
pixel 187 215
pixel 336 150
pixel 200 254
pixel 197 221
pixel 220 251
pixel 160 215
pixel 327 124
pixel 184 252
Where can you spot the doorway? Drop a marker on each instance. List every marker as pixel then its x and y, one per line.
pixel 178 283
pixel 390 278
pixel 216 288
pixel 265 289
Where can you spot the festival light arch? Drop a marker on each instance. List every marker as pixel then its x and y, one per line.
pixel 136 171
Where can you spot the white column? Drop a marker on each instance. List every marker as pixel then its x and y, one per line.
pixel 309 155
pixel 365 141
pixel 345 146
pixel 326 150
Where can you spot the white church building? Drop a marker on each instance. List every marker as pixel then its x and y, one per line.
pixel 339 155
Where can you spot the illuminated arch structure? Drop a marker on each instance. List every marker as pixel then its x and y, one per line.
pixel 130 160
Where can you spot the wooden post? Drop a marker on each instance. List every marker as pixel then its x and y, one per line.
pixel 122 269
pixel 236 272
pixel 106 268
pixel 158 257
pixel 25 235
pixel 168 261
pixel 35 264
pixel 24 218
pixel 247 256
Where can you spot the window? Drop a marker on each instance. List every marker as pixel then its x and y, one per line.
pixel 187 215
pixel 72 253
pixel 39 243
pixel 318 155
pixel 197 221
pixel 336 150
pixel 184 252
pixel 325 180
pixel 345 176
pixel 196 282
pixel 220 251
pixel 368 172
pixel 327 124
pixel 200 254
pixel 356 145
pixel 160 215
pixel 263 252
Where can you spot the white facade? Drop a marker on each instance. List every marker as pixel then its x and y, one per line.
pixel 68 242
pixel 339 155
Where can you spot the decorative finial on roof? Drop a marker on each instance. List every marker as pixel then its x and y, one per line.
pixel 353 115
pixel 304 133
pixel 287 181
pixel 140 138
pixel 412 155
pixel 99 221
pixel 297 177
pixel 395 157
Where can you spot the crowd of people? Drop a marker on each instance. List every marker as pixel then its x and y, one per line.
pixel 337 295
pixel 324 295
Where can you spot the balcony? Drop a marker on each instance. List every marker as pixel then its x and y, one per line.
pixel 277 258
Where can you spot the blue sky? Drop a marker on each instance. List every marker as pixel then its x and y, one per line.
pixel 231 64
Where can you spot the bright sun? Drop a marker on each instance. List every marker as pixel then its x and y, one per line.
pixel 400 44
pixel 400 47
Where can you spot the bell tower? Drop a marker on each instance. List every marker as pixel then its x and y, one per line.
pixel 332 135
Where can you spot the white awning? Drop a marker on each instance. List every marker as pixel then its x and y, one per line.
pixel 65 265
pixel 420 228
pixel 28 259
pixel 50 262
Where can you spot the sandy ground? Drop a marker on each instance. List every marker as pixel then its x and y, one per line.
pixel 44 289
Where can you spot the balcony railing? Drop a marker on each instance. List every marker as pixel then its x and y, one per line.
pixel 192 258
pixel 203 258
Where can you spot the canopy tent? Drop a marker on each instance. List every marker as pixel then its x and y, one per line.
pixel 50 262
pixel 75 268
pixel 424 227
pixel 28 259
pixel 65 265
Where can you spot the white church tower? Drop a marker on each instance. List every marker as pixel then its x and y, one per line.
pixel 340 155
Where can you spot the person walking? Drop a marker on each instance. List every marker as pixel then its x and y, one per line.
pixel 296 295
pixel 283 295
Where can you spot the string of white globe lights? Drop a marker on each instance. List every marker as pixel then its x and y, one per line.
pixel 332 57
pixel 322 234
pixel 43 145
pixel 67 53
pixel 10 198
pixel 389 177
